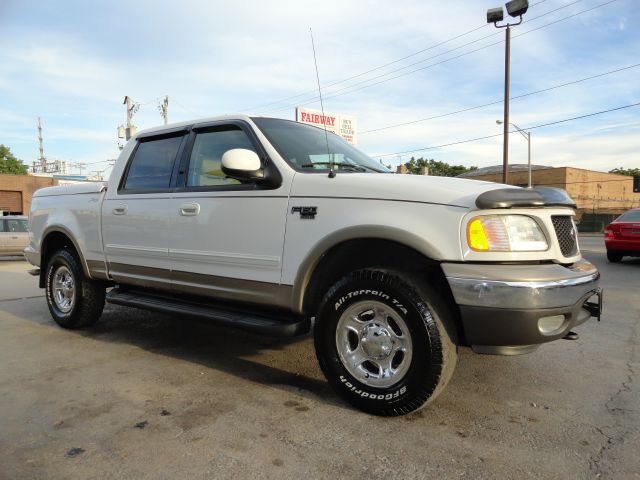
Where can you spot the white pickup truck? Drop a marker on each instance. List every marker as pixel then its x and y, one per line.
pixel 275 226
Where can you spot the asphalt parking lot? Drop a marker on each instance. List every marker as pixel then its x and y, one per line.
pixel 146 396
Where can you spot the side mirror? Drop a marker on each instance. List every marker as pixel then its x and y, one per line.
pixel 242 164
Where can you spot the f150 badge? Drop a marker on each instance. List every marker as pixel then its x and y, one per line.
pixel 306 213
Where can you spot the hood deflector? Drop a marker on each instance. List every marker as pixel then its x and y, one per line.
pixel 524 197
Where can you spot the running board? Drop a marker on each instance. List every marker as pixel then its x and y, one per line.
pixel 276 325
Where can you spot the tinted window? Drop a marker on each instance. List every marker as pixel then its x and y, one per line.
pixel 152 164
pixel 630 216
pixel 16 226
pixel 2 225
pixel 205 164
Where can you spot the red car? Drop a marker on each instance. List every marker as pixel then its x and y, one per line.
pixel 622 236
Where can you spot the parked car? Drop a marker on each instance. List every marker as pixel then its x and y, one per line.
pixel 265 224
pixel 622 236
pixel 14 235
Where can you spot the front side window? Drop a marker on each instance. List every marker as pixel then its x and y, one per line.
pixel 17 226
pixel 309 149
pixel 152 164
pixel 205 164
pixel 2 225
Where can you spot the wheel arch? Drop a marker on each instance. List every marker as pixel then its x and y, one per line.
pixel 372 247
pixel 54 239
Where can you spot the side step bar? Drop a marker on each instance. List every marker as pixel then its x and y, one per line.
pixel 275 325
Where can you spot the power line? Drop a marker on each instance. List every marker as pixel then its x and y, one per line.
pixel 337 82
pixel 350 89
pixel 554 87
pixel 431 47
pixel 469 140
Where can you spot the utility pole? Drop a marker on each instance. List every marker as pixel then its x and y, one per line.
pixel 79 166
pixel 163 106
pixel 127 102
pixel 132 108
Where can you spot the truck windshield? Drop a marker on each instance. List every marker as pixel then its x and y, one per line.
pixel 305 148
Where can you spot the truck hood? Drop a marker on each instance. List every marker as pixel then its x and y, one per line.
pixel 78 188
pixel 410 188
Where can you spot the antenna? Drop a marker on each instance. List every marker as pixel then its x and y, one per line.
pixel 42 158
pixel 332 174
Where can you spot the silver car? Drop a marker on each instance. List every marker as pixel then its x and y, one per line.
pixel 14 235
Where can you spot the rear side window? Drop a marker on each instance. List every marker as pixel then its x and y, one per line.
pixel 152 164
pixel 2 225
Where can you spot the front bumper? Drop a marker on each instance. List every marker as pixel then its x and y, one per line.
pixel 511 309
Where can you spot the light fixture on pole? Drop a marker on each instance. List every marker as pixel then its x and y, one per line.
pixel 515 8
pixel 526 135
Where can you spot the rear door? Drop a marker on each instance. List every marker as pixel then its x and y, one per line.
pixel 226 237
pixel 135 215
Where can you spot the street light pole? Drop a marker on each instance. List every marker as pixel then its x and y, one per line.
pixel 515 8
pixel 530 185
pixel 526 135
pixel 505 137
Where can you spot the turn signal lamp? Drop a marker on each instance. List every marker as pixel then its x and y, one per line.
pixel 505 233
pixel 477 237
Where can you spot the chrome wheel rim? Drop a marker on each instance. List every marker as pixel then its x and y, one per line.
pixel 64 291
pixel 374 344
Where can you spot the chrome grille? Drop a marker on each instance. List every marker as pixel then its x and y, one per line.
pixel 566 234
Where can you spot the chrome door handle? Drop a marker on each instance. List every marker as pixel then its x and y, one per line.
pixel 120 210
pixel 189 209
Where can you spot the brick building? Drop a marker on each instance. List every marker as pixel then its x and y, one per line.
pixel 16 192
pixel 593 192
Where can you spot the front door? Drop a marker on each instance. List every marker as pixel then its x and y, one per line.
pixel 226 237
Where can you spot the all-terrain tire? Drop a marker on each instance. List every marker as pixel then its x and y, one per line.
pixel 416 317
pixel 73 300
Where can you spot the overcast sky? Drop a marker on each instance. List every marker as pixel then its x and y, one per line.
pixel 72 62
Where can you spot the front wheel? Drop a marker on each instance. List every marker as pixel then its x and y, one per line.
pixel 74 300
pixel 383 343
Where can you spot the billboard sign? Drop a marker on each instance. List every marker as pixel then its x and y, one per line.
pixel 343 125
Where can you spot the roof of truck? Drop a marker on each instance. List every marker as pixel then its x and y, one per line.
pixel 171 126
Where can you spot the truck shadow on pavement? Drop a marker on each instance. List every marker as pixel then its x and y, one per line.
pixel 285 363
pixel 288 364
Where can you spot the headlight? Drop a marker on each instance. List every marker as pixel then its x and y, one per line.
pixel 505 233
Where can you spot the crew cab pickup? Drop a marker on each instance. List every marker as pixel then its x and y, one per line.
pixel 278 227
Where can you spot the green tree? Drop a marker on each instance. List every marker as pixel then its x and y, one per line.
pixel 438 169
pixel 9 163
pixel 632 172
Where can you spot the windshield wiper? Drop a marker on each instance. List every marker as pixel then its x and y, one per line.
pixel 358 168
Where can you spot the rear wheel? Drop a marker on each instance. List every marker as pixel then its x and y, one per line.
pixel 74 300
pixel 382 342
pixel 614 257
